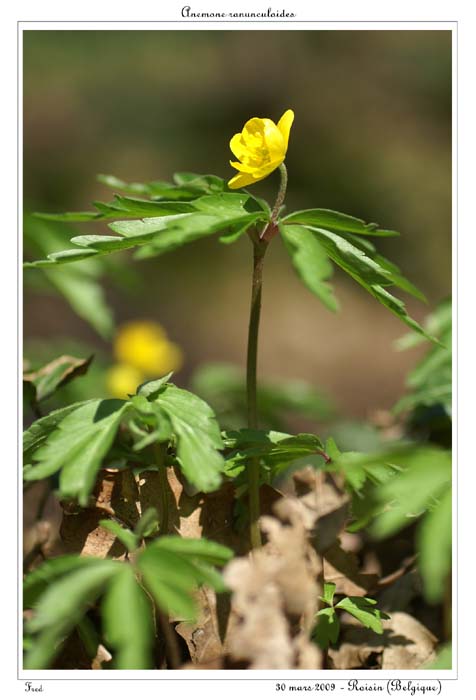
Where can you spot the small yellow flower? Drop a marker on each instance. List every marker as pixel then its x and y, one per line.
pixel 144 346
pixel 261 148
pixel 122 380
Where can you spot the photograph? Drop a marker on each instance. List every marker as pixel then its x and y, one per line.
pixel 237 349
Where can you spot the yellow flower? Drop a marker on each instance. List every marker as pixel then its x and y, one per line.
pixel 261 148
pixel 144 346
pixel 122 380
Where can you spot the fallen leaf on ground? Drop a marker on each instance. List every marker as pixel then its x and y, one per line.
pixel 404 645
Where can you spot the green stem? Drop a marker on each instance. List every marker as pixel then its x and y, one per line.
pixel 281 194
pixel 159 453
pixel 259 249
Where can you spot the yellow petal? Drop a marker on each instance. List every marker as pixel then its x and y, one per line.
pixel 260 173
pixel 243 167
pixel 284 126
pixel 274 140
pixel 237 146
pixel 253 133
pixel 241 180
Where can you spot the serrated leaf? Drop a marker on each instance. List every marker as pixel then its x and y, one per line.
pixel 362 609
pixel 68 216
pixel 248 437
pixel 277 454
pixel 350 258
pixel 173 567
pixel 61 607
pixel 40 429
pixel 202 549
pixel 437 323
pixel 426 474
pixel 198 436
pixel 148 389
pixel 311 262
pixel 331 449
pixel 225 203
pixel 336 220
pixel 393 271
pixel 327 629
pixel 171 580
pixel 77 283
pixel 148 523
pixel 56 374
pixel 77 446
pixel 187 186
pixel 367 271
pixel 434 547
pixel 85 296
pixel 39 580
pixel 328 594
pixel 127 620
pixel 430 382
pixel 398 308
pixel 124 535
pixel 146 207
pixel 191 229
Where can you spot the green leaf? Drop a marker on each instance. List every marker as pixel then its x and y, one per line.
pixel 434 547
pixel 68 216
pixel 77 283
pixel 205 550
pixel 85 296
pixel 331 449
pixel 350 258
pixel 173 567
pixel 327 629
pixel 328 595
pixel 151 388
pixel 38 431
pixel 393 272
pixel 193 228
pixel 124 535
pixel 430 382
pixel 364 611
pixel 311 262
pixel 56 374
pixel 226 204
pixel 276 453
pixel 397 307
pixel 335 220
pixel 148 523
pixel 426 474
pixel 443 660
pixel 39 580
pixel 77 447
pixel 198 436
pixel 367 271
pixel 437 323
pixel 187 186
pixel 146 207
pixel 61 607
pixel 127 615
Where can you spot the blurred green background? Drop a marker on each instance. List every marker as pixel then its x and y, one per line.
pixel 372 138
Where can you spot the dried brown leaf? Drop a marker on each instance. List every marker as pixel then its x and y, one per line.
pixel 116 494
pixel 404 644
pixel 274 595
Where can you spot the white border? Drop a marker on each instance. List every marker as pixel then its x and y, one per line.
pixel 217 676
